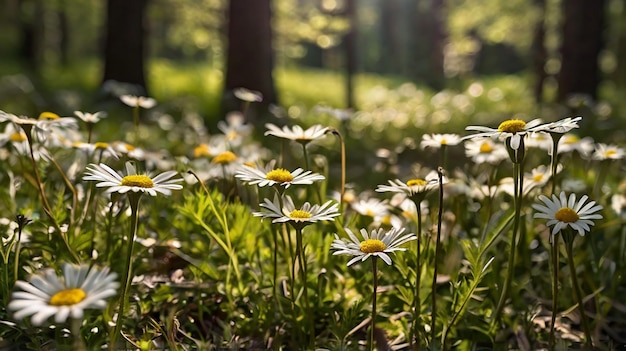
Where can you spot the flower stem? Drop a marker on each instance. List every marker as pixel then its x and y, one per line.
pixel 518 181
pixel 435 265
pixel 374 292
pixel 133 199
pixel 418 277
pixel 303 272
pixel 555 287
pixel 569 247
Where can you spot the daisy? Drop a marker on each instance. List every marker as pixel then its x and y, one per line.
pixel 562 126
pixel 562 212
pixel 485 150
pixel 436 141
pixel 248 95
pixel 371 207
pixel 377 243
pixel 413 186
pixel 296 133
pixel 514 129
pixel 608 152
pixel 103 149
pixel 47 294
pixel 298 217
pixel 571 142
pixel 138 101
pixel 270 176
pixel 132 182
pixel 234 128
pixel 90 118
pixel 47 121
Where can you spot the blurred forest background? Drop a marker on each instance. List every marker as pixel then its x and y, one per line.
pixel 59 54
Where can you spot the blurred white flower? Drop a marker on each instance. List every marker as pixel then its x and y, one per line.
pixel 138 101
pixel 47 294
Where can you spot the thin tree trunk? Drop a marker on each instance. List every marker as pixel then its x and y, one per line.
pixel 350 42
pixel 124 59
pixel 582 42
pixel 539 52
pixel 250 57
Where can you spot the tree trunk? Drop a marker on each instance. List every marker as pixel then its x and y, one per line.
pixel 350 43
pixel 250 57
pixel 390 52
pixel 124 51
pixel 428 42
pixel 582 42
pixel 539 52
pixel 31 32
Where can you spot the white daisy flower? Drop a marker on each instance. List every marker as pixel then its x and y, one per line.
pixel 248 95
pixel 92 118
pixel 377 243
pixel 436 141
pixel 562 126
pixel 298 217
pixel 412 186
pixel 562 212
pixel 235 128
pixel 270 176
pixel 103 149
pixel 47 294
pixel 571 142
pixel 296 133
pixel 608 152
pixel 539 140
pixel 132 181
pixel 515 129
pixel 138 101
pixel 371 207
pixel 485 150
pixel 47 123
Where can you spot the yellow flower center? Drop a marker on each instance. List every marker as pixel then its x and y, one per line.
pixel 299 214
pixel 485 148
pixel 101 145
pixel 224 158
pixel 279 175
pixel 416 182
pixel 566 215
pixel 570 139
pixel 232 135
pixel 201 151
pixel 512 126
pixel 538 177
pixel 137 180
pixel 48 116
pixel 372 245
pixel 610 153
pixel 443 141
pixel 129 147
pixel 67 297
pixel 18 137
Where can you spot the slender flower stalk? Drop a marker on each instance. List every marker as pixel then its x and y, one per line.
pixel 435 265
pixel 374 293
pixel 517 157
pixel 568 238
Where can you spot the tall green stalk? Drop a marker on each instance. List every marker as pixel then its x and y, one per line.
pixel 374 292
pixel 304 274
pixel 133 199
pixel 435 265
pixel 417 307
pixel 517 156
pixel 568 238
